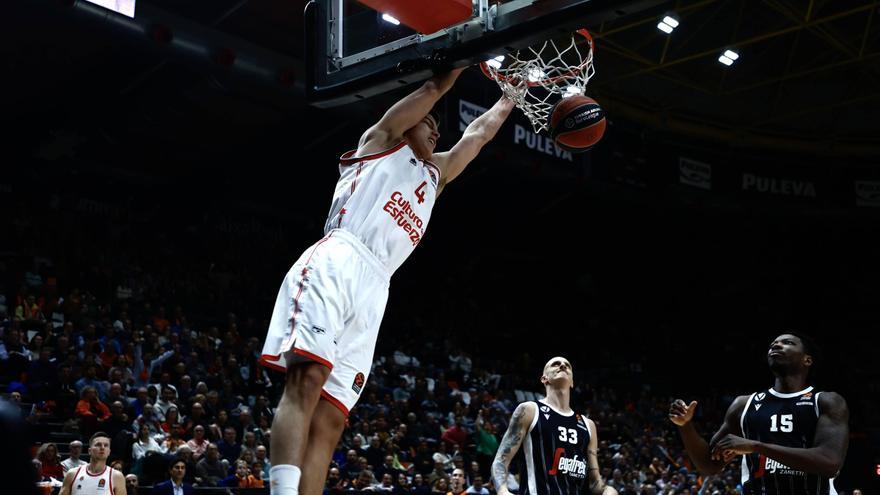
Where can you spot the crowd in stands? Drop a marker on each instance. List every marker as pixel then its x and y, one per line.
pixel 134 346
pixel 181 400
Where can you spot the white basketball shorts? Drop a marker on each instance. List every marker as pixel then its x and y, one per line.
pixel 328 310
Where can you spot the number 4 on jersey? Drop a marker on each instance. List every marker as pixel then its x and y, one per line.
pixel 420 192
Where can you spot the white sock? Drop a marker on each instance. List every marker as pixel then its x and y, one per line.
pixel 284 479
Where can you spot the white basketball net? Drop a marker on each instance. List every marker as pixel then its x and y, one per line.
pixel 536 78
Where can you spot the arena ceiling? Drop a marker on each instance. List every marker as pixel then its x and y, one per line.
pixel 808 76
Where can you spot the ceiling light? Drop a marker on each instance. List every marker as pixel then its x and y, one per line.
pixel 388 18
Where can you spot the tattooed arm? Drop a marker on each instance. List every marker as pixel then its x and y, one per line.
pixel 597 484
pixel 513 437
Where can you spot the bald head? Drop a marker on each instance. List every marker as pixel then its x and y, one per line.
pixel 557 372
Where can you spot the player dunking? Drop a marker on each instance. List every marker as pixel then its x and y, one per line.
pixel 96 476
pixel 326 319
pixel 793 439
pixel 560 447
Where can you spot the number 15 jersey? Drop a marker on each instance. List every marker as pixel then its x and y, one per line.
pixel 788 420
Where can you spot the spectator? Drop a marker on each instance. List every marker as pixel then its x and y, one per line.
pixel 90 379
pixel 50 462
pixel 262 456
pixel 364 482
pixel 198 443
pixel 335 484
pixel 131 484
pixel 118 420
pixel 387 467
pixel 211 470
pixel 477 487
pixel 455 435
pixel 242 477
pixel 172 418
pixel 174 441
pixel 401 485
pixel 457 482
pixel 440 487
pixel 166 402
pixel 438 473
pixel 419 487
pixel 145 443
pixel 148 418
pixel 73 461
pixel 228 447
pixel 175 484
pixel 90 411
pixel 387 483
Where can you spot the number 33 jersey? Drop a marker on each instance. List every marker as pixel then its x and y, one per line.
pixel 555 453
pixel 788 420
pixel 385 200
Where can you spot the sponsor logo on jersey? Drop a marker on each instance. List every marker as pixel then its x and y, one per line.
pixel 101 483
pixel 758 406
pixel 808 395
pixel 760 396
pixel 546 416
pixel 402 212
pixel 358 384
pixel 574 467
pixel 318 329
pixel 545 409
pixel 808 403
pixel 769 466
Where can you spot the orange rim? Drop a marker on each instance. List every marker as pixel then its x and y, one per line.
pixel 572 73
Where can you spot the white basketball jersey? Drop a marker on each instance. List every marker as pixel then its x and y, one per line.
pixel 86 483
pixel 385 200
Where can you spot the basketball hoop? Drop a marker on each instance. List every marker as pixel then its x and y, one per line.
pixel 535 78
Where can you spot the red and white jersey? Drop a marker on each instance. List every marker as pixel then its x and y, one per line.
pixel 385 200
pixel 86 483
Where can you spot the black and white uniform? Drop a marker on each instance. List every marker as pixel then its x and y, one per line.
pixel 555 453
pixel 788 420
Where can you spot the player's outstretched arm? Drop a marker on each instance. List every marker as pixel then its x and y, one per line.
pixel 478 133
pixel 408 112
pixel 517 430
pixel 597 484
pixel 829 445
pixel 707 461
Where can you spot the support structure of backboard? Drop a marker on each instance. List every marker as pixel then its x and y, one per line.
pixel 352 52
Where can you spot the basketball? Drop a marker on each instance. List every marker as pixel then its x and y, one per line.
pixel 577 123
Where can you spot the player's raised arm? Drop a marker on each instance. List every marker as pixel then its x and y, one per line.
pixel 517 430
pixel 408 112
pixel 706 461
pixel 478 133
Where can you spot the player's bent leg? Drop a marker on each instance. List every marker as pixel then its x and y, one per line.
pixel 324 433
pixel 290 427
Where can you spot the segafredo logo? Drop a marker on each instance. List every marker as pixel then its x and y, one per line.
pixel 571 466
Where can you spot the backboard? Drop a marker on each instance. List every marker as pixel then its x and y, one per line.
pixel 354 51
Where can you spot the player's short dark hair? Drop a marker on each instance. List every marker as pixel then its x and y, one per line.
pixel 97 435
pixel 436 115
pixel 810 347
